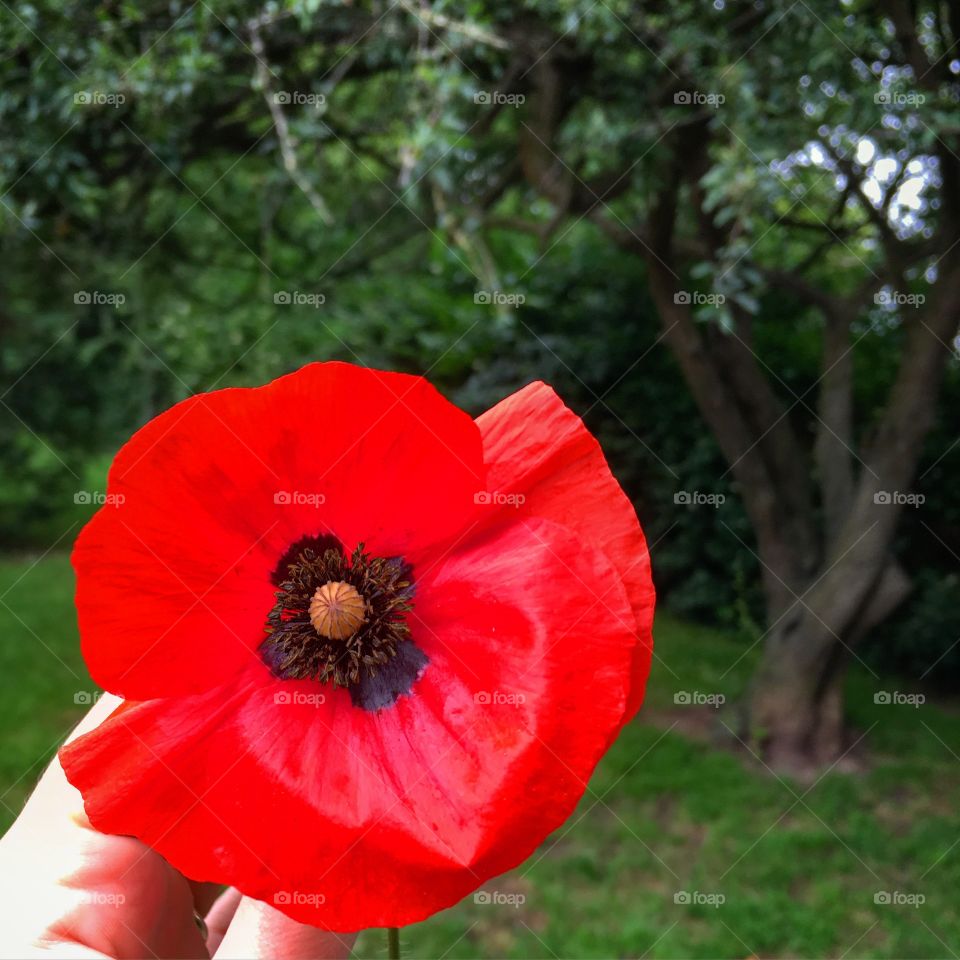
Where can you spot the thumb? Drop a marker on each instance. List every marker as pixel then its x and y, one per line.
pixel 261 932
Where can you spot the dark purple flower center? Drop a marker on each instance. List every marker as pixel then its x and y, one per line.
pixel 342 619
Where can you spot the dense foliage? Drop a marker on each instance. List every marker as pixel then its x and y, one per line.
pixel 196 195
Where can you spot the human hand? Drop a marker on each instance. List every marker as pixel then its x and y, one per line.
pixel 68 891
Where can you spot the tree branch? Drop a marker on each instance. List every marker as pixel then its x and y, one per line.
pixel 288 148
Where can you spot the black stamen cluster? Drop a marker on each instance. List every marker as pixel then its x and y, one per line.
pixel 294 650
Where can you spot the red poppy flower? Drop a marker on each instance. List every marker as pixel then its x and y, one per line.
pixel 371 649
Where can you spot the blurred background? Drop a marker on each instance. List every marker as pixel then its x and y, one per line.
pixel 728 233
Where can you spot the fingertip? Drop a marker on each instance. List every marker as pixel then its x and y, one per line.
pixel 261 931
pixel 220 916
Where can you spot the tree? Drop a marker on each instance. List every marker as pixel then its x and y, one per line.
pixel 772 151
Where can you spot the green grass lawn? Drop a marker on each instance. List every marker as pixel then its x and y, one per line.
pixel 797 866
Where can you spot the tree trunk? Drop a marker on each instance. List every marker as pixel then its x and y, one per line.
pixel 795 706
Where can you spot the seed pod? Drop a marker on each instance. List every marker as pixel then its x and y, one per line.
pixel 337 610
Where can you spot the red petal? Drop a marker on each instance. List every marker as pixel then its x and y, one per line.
pixel 535 446
pixel 348 819
pixel 173 583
